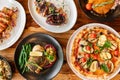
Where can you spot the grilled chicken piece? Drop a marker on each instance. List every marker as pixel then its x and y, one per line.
pixel 4 20
pixel 1 29
pixel 2 14
pixel 7 11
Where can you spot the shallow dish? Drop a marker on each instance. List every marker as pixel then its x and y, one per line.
pixel 40 38
pixel 108 17
pixel 5 60
pixel 69 51
pixel 41 21
pixel 20 23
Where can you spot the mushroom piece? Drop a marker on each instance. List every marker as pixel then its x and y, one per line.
pixel 92 37
pixel 94 66
pixel 88 51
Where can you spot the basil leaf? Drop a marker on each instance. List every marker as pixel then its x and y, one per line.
pixel 107 44
pixel 105 68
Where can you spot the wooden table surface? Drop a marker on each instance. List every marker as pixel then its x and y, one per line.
pixel 31 27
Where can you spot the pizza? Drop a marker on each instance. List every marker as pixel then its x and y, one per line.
pixel 95 52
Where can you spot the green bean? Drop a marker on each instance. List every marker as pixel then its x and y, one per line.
pixel 23 58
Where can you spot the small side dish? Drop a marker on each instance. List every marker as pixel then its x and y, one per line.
pixel 101 7
pixel 5 71
pixel 37 58
pixel 95 52
pixel 7 22
pixel 54 15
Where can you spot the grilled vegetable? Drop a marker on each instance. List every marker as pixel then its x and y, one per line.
pixel 113 45
pixel 105 55
pixel 101 41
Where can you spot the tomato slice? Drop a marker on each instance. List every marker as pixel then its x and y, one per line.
pixel 87 55
pixel 83 59
pixel 89 6
pixel 95 56
pixel 88 48
pixel 93 35
pixel 116 53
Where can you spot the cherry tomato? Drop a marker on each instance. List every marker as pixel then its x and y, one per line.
pixel 109 65
pixel 95 56
pixel 88 47
pixel 83 59
pixel 87 55
pixel 89 6
pixel 116 53
pixel 93 35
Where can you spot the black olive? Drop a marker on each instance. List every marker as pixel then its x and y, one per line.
pixel 82 45
pixel 38 0
pixel 101 33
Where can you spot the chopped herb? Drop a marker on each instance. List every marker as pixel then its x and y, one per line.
pixel 96 51
pixel 1 74
pixel 105 67
pixel 90 44
pixel 89 62
pixel 51 10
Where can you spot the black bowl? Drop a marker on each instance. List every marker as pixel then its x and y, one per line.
pixel 40 38
pixel 102 18
pixel 4 59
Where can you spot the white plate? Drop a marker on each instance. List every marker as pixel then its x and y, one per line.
pixel 41 21
pixel 21 20
pixel 69 49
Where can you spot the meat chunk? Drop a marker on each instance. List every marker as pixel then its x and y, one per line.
pixel 55 19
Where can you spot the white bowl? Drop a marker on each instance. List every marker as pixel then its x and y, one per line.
pixel 41 21
pixel 69 49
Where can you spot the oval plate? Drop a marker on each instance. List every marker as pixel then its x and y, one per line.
pixel 39 38
pixel 69 49
pixel 108 17
pixel 41 21
pixel 20 23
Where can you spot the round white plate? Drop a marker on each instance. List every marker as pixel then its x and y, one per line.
pixel 69 49
pixel 41 21
pixel 21 20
